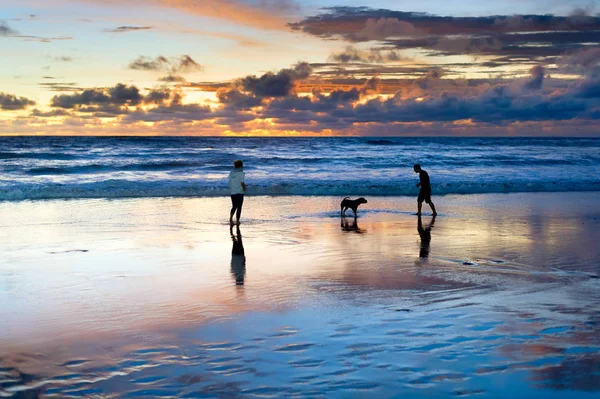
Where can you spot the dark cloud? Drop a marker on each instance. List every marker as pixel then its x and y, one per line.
pixel 60 86
pixel 350 22
pixel 6 30
pixel 172 66
pixel 278 84
pixel 237 99
pixel 116 101
pixel 519 38
pixel 142 63
pixel 383 28
pixel 174 113
pixel 124 29
pixel 536 79
pixel 50 114
pixel 10 102
pixel 585 62
pixel 352 54
pixel 187 64
pixel 587 88
pixel 172 79
pixel 158 96
pixel 118 95
pixel 86 97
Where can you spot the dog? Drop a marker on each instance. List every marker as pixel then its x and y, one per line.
pixel 352 204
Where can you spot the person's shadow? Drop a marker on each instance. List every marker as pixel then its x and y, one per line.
pixel 238 257
pixel 346 226
pixel 425 234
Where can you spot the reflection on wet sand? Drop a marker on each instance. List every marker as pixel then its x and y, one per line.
pixel 346 226
pixel 425 234
pixel 238 256
pixel 326 313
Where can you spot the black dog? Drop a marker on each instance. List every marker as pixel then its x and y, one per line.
pixel 352 204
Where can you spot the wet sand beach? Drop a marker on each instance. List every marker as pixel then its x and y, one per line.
pixel 499 296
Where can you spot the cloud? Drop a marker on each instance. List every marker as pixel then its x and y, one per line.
pixel 118 95
pixel 534 82
pixel 278 84
pixel 467 45
pixel 348 22
pixel 585 62
pixel 118 99
pixel 127 28
pixel 6 30
pixel 586 88
pixel 172 66
pixel 59 86
pixel 273 101
pixel 261 14
pixel 64 59
pixel 172 79
pixel 42 39
pixel 383 28
pixel 10 102
pixel 538 36
pixel 142 63
pixel 352 54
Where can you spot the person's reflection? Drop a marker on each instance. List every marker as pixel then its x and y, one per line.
pixel 346 226
pixel 425 234
pixel 238 257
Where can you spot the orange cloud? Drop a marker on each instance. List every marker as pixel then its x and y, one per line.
pixel 267 14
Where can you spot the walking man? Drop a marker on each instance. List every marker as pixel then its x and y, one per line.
pixel 425 193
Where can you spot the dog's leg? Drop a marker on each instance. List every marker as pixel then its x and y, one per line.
pixel 341 210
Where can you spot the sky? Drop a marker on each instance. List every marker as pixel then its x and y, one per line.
pixel 290 67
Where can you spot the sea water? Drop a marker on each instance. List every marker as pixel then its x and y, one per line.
pixel 114 167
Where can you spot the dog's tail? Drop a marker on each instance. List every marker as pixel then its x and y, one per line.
pixel 346 198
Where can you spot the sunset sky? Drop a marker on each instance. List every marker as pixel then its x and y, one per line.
pixel 290 67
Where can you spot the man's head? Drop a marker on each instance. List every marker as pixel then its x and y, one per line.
pixel 417 168
pixel 238 164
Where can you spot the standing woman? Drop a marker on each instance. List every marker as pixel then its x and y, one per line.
pixel 238 188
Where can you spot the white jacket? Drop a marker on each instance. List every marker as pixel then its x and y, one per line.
pixel 236 178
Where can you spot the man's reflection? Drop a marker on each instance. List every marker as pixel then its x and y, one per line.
pixel 346 226
pixel 238 257
pixel 425 234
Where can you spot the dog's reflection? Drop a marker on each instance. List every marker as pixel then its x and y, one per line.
pixel 425 234
pixel 347 226
pixel 238 256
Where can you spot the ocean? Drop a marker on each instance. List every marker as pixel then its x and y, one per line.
pixel 117 167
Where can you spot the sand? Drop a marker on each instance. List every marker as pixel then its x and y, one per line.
pixel 499 296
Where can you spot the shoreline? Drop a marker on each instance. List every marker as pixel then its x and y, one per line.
pixel 283 195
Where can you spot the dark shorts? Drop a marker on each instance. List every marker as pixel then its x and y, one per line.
pixel 424 195
pixel 237 200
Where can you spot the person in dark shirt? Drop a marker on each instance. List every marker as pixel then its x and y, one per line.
pixel 425 193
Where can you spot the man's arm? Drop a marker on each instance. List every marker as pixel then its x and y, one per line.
pixel 243 186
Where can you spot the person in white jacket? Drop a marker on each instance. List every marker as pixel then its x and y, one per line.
pixel 237 186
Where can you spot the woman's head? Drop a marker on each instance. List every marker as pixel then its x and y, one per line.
pixel 238 164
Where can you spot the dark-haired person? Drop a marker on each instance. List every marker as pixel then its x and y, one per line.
pixel 237 186
pixel 425 193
